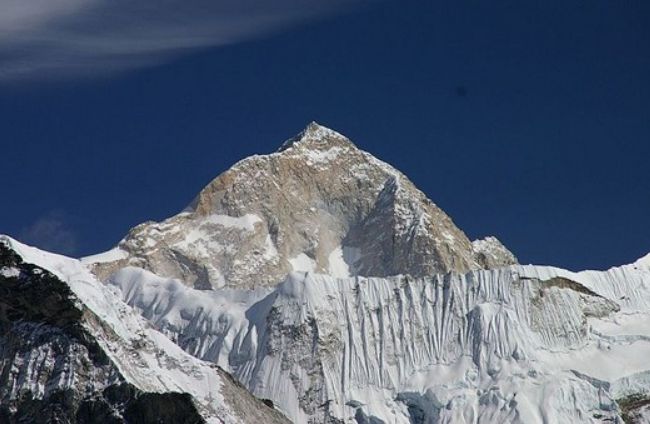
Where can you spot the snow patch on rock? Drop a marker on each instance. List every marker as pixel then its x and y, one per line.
pixel 303 263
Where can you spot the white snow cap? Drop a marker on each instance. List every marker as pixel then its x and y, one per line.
pixel 317 136
pixel 643 262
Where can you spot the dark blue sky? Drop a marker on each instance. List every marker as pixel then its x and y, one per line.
pixel 529 122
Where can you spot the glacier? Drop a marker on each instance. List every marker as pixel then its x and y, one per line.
pixel 518 344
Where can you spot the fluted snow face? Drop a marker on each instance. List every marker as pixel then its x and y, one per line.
pixel 318 204
pixel 519 344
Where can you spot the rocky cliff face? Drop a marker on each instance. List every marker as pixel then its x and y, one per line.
pixel 72 352
pixel 318 204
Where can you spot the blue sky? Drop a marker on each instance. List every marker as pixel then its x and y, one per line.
pixel 527 121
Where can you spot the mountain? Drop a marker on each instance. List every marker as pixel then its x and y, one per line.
pixel 322 280
pixel 518 344
pixel 71 351
pixel 318 204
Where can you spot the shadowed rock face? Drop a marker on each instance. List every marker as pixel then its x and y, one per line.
pixel 317 204
pixel 57 367
pixel 53 370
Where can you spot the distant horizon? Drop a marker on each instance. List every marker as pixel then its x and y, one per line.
pixel 527 122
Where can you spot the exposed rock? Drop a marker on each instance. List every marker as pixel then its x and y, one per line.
pixel 635 409
pixel 491 253
pixel 61 362
pixel 317 204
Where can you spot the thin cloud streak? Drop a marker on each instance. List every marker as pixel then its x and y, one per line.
pixel 51 232
pixel 41 39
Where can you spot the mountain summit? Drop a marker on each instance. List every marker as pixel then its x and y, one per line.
pixel 318 204
pixel 323 282
pixel 317 137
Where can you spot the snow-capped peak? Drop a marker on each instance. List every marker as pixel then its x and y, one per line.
pixel 319 137
pixel 340 292
pixel 320 204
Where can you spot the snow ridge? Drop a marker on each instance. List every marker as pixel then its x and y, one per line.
pixel 486 344
pixel 138 353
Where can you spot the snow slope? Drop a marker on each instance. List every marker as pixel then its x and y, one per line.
pixel 520 344
pixel 141 355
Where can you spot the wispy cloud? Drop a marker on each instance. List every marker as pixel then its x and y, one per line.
pixel 53 38
pixel 51 232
